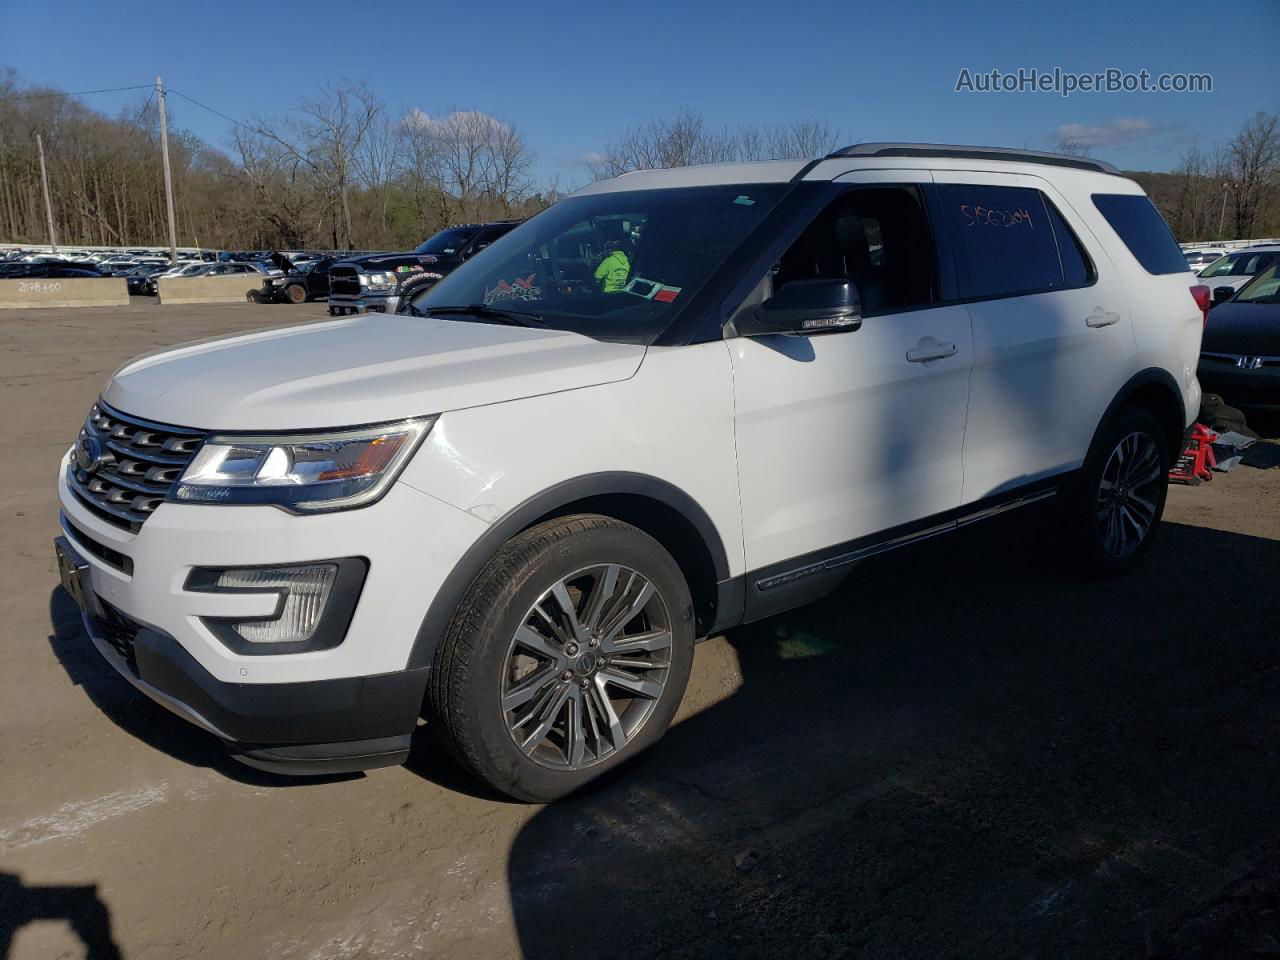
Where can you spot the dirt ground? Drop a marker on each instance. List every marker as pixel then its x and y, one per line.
pixel 964 753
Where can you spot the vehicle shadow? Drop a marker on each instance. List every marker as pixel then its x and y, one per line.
pixel 961 753
pixel 137 715
pixel 79 905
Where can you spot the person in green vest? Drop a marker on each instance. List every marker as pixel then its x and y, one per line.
pixel 614 270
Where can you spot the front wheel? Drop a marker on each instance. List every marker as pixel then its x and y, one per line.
pixel 567 657
pixel 1113 514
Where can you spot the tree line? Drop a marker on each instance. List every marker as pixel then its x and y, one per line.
pixel 343 170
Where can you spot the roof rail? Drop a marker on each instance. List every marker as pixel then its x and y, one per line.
pixel 972 153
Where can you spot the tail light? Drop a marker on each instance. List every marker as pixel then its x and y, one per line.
pixel 1203 297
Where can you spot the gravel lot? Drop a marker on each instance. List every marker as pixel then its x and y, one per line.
pixel 963 753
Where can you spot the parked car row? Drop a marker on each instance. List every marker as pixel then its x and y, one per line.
pixel 46 268
pixel 1231 271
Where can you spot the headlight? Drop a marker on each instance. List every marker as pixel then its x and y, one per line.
pixel 302 473
pixel 381 281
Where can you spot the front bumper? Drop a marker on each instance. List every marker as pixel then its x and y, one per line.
pixel 348 707
pixel 1239 387
pixel 364 303
pixel 316 727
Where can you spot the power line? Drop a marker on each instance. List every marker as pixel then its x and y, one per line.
pixel 78 93
pixel 216 113
pixel 134 125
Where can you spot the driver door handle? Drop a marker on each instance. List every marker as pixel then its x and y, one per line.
pixel 930 349
pixel 1101 318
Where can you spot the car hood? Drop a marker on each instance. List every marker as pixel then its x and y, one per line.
pixel 365 369
pixel 1229 280
pixel 1250 329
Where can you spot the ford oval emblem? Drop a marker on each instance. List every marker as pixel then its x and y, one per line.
pixel 89 453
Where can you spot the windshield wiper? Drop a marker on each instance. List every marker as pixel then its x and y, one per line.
pixel 512 317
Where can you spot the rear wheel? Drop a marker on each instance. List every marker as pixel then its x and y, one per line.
pixel 567 657
pixel 1115 511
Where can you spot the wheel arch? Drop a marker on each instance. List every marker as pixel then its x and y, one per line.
pixel 659 508
pixel 1155 391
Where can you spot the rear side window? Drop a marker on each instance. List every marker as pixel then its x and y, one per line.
pixel 1003 239
pixel 1143 231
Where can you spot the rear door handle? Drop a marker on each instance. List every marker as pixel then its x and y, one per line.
pixel 930 349
pixel 1101 318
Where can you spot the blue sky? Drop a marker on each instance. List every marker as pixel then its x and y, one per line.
pixel 572 75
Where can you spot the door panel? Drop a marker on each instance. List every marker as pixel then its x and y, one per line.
pixel 840 436
pixel 1045 365
pixel 844 435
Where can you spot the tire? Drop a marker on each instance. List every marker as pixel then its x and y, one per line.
pixel 513 667
pixel 1114 511
pixel 295 293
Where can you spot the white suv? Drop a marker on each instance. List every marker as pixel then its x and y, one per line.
pixel 674 402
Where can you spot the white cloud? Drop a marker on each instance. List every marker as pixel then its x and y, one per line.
pixel 1111 134
pixel 470 120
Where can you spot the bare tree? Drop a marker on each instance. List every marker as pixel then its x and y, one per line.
pixel 685 139
pixel 280 194
pixel 1254 157
pixel 378 164
pixel 469 164
pixel 1073 147
pixel 325 134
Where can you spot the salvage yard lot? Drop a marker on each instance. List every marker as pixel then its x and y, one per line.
pixel 963 754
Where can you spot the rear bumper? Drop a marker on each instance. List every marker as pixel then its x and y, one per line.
pixel 312 727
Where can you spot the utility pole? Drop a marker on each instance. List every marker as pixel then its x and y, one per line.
pixel 168 175
pixel 48 206
pixel 1223 215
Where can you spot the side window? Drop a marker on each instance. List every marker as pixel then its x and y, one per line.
pixel 1077 268
pixel 1003 238
pixel 482 240
pixel 879 238
pixel 1139 224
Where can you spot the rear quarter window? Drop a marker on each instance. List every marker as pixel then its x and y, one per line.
pixel 1138 223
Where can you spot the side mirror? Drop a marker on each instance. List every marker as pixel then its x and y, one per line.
pixel 804 307
pixel 1223 294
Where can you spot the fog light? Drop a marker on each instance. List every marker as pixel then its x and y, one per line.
pixel 303 591
pixel 314 604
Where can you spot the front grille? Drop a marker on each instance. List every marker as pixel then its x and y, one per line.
pixel 119 633
pixel 123 467
pixel 108 555
pixel 1242 361
pixel 344 281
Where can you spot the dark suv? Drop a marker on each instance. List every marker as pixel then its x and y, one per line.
pixel 383 282
pixel 305 280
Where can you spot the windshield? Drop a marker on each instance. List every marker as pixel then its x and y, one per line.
pixel 614 266
pixel 447 243
pixel 1264 288
pixel 1242 264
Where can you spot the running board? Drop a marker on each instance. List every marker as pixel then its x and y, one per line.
pixel 844 559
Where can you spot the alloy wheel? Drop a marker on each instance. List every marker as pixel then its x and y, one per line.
pixel 586 667
pixel 1129 494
